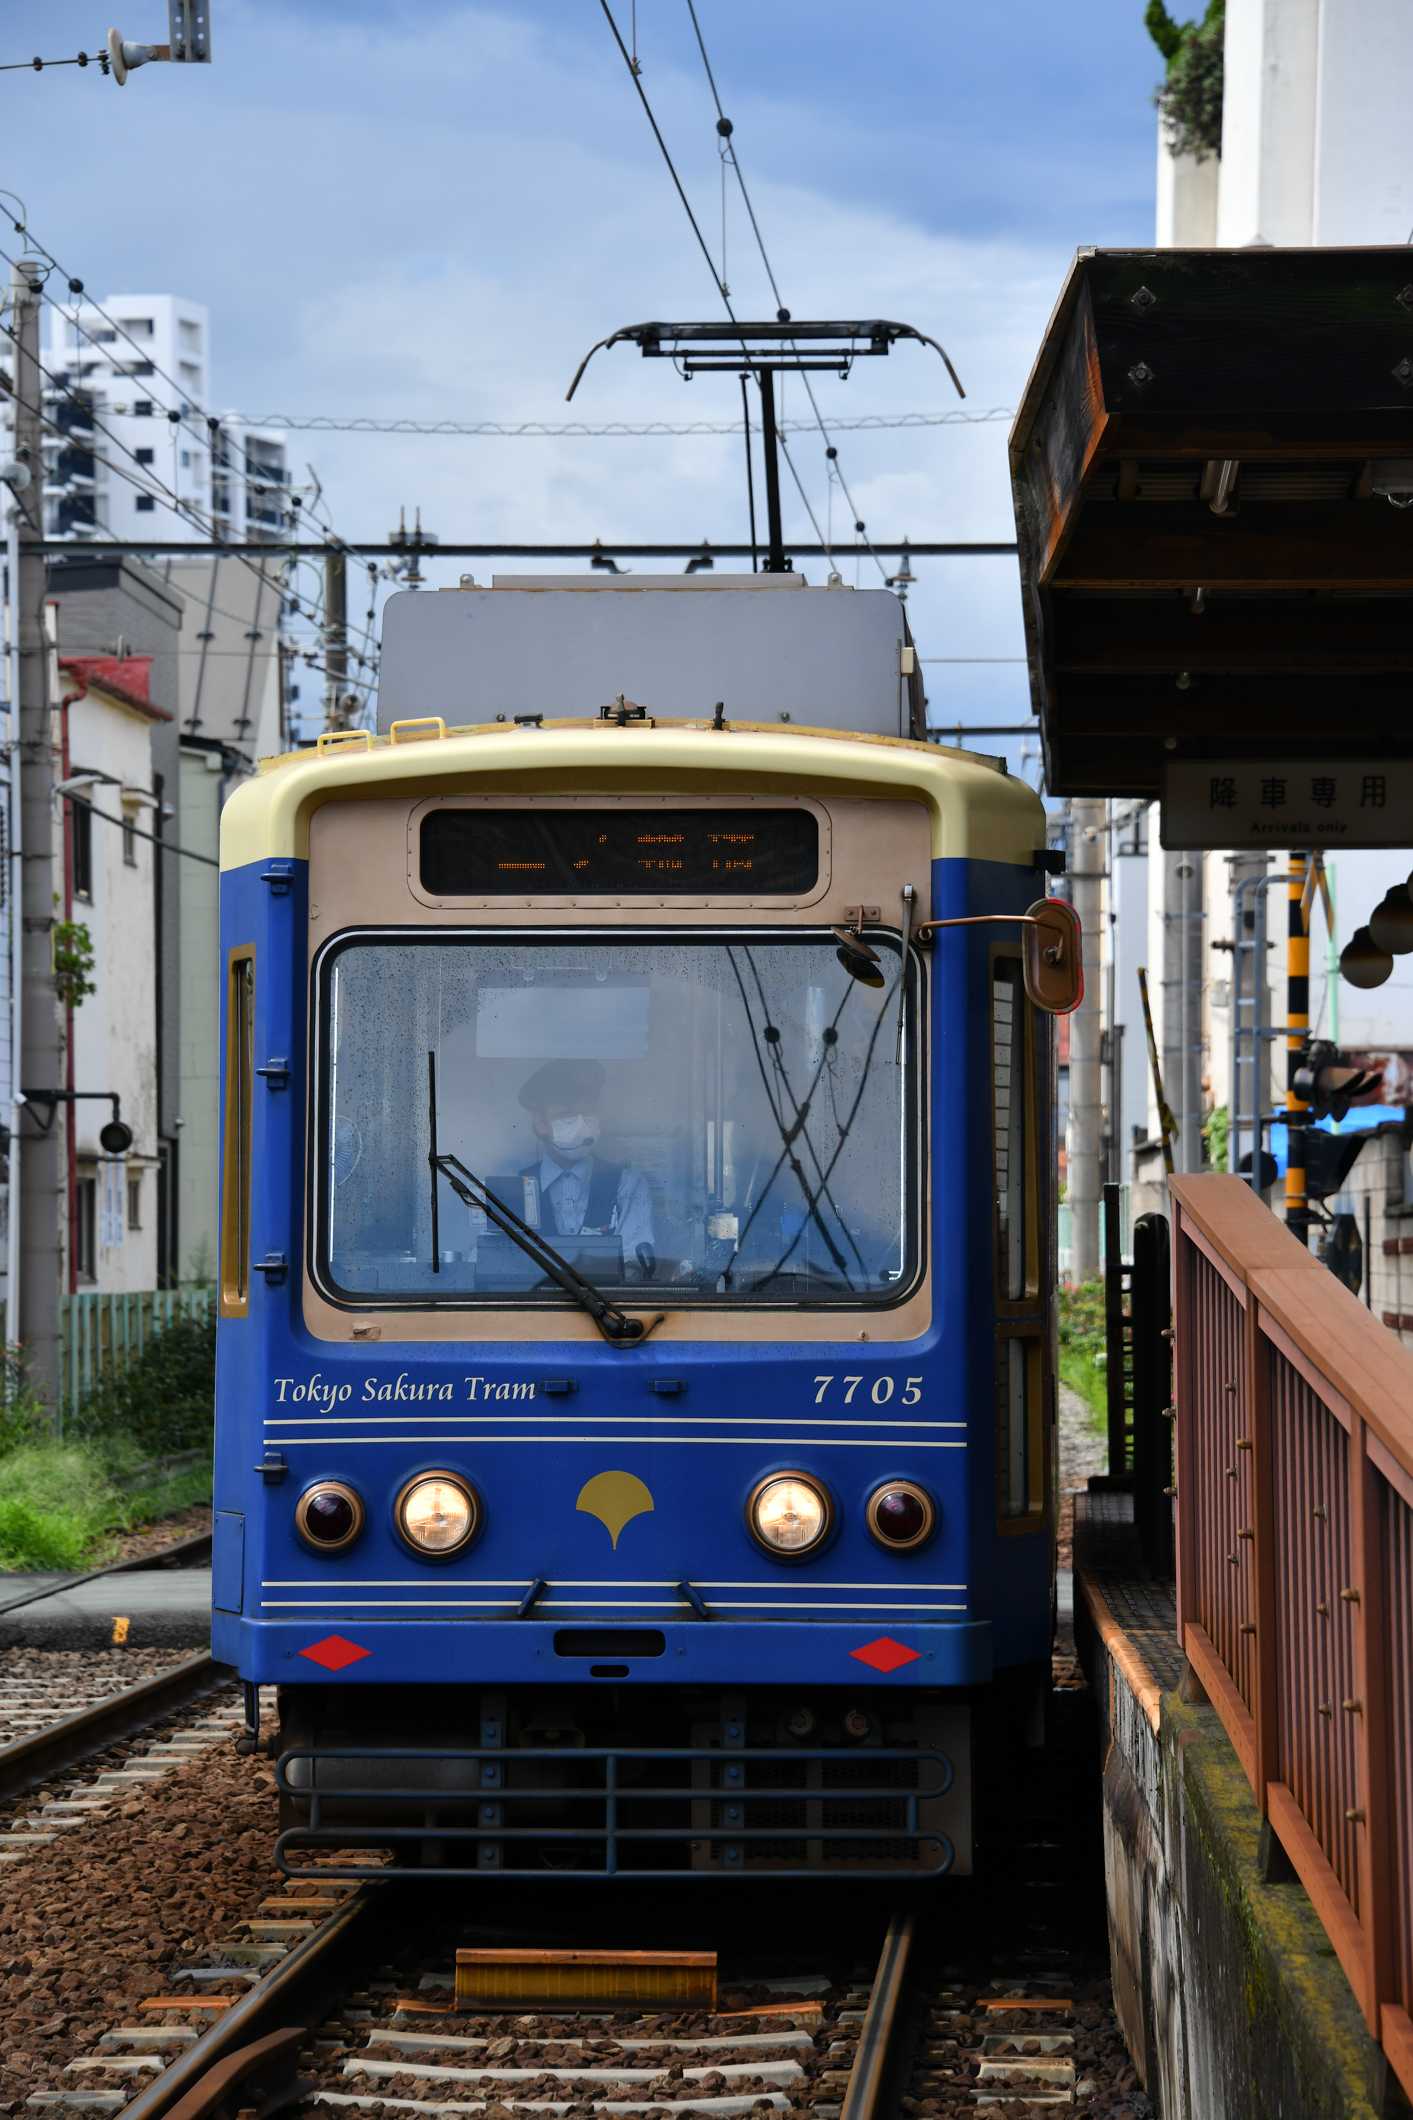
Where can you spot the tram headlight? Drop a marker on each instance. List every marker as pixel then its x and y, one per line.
pixel 328 1516
pixel 789 1514
pixel 437 1514
pixel 901 1515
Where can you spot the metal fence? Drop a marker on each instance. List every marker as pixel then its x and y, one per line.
pixel 1295 1569
pixel 101 1331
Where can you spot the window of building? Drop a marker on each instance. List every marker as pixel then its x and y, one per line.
pixel 186 459
pixel 142 409
pixel 81 844
pixel 141 368
pixel 145 456
pixel 105 338
pixel 135 1201
pixel 85 1230
pixel 145 504
pixel 140 327
pixel 130 842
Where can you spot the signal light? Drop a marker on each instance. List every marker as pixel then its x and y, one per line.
pixel 1391 922
pixel 1362 962
pixel 1326 1086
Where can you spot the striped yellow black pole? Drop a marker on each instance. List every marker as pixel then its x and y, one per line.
pixel 1297 1018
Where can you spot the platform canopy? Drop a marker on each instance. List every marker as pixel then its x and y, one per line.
pixel 1213 479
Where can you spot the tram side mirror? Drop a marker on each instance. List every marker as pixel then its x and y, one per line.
pixel 1054 968
pixel 859 958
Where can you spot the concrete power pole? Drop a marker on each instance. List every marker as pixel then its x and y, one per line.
pixel 1088 839
pixel 336 699
pixel 43 1201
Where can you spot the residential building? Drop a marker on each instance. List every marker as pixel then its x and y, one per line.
pixel 208 632
pixel 129 412
pixel 110 910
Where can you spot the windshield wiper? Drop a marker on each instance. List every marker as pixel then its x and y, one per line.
pixel 616 1325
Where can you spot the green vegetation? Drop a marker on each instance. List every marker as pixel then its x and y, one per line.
pixel 162 1400
pixel 1216 1134
pixel 1083 1358
pixel 1190 99
pixel 64 1501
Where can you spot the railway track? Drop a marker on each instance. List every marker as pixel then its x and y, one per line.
pixel 62 1708
pixel 334 2029
pixel 193 1552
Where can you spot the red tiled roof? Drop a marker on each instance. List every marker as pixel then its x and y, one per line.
pixel 123 677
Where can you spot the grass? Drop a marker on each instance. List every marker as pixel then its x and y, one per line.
pixel 64 1502
pixel 61 1506
pixel 1083 1356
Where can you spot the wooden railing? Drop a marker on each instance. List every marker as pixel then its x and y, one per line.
pixel 1295 1568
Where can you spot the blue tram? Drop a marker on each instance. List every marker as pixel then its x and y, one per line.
pixel 635 1374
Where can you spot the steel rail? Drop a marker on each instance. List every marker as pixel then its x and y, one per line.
pixel 190 1552
pixel 31 1760
pixel 872 2084
pixel 198 2081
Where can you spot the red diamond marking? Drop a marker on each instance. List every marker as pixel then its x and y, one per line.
pixel 335 1654
pixel 883 1655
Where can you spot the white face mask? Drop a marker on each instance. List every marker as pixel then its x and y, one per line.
pixel 574 1136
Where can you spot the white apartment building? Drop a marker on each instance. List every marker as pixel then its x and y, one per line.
pixel 1314 151
pixel 141 365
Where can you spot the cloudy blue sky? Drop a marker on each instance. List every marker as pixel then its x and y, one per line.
pixel 433 209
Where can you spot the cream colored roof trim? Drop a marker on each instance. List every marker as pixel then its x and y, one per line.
pixel 978 812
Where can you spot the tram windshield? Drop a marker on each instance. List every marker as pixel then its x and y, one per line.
pixel 699 1119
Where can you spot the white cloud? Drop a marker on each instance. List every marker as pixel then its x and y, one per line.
pixel 437 221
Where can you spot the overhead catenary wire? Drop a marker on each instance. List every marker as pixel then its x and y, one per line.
pixel 609 430
pixel 168 846
pixel 635 75
pixel 726 132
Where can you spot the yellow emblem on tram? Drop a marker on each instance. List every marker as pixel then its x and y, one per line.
pixel 615 1498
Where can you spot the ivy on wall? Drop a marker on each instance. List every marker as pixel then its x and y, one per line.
pixel 73 961
pixel 1190 99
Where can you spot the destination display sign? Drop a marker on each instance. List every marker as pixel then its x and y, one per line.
pixel 652 853
pixel 1358 802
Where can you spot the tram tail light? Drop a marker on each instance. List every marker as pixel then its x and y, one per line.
pixel 901 1515
pixel 329 1516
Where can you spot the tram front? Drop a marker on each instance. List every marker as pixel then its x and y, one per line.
pixel 650 1425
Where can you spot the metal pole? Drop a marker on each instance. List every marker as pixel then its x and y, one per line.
pixel 14 883
pixel 770 444
pixel 43 1201
pixel 1297 1019
pixel 335 638
pixel 1086 1058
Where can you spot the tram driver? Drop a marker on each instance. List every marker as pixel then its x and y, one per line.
pixel 581 1193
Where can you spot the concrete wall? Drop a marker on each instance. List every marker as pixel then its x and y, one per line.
pixel 1231 2000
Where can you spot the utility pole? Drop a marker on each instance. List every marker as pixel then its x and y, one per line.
pixel 335 638
pixel 44 1200
pixel 1297 1020
pixel 775 560
pixel 1086 1122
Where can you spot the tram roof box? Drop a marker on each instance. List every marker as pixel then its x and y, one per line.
pixel 766 645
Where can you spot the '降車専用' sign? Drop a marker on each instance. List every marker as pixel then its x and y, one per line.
pixel 1237 803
